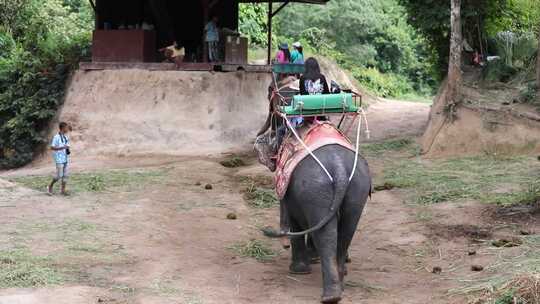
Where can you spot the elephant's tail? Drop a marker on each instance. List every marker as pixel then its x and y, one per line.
pixel 341 184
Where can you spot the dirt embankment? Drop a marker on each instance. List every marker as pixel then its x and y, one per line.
pixel 121 112
pixel 478 131
pixel 489 119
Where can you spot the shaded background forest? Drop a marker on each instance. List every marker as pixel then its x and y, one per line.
pixel 399 48
pixel 394 48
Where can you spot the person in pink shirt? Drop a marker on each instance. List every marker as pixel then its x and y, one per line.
pixel 283 55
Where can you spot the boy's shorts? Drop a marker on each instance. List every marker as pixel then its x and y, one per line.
pixel 62 172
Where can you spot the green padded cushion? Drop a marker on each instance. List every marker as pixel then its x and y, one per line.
pixel 320 104
pixel 288 68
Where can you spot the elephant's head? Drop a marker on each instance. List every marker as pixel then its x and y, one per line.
pixel 266 148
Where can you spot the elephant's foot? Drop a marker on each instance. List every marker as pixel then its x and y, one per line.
pixel 333 299
pixel 299 268
pixel 332 295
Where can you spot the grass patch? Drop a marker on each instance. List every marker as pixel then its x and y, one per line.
pixel 392 145
pixel 96 181
pixel 259 192
pixel 263 181
pixel 87 248
pixel 164 288
pixel 122 288
pixel 529 196
pixel 68 230
pixel 233 162
pixel 415 97
pixel 19 268
pixel 255 249
pixel 488 179
pixel 70 240
pixel 259 197
pixel 523 289
pixel 514 275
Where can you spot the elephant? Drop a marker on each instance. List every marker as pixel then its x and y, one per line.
pixel 329 211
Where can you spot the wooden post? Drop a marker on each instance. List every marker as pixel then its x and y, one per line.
pixel 269 53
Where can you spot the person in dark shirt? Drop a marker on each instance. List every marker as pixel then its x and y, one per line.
pixel 312 82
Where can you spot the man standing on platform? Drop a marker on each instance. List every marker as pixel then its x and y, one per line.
pixel 212 39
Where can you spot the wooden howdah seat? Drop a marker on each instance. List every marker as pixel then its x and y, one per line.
pixel 345 102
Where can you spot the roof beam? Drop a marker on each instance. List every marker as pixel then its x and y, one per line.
pixel 93 5
pixel 280 8
pixel 298 1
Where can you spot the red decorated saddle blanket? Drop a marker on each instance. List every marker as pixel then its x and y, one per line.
pixel 292 152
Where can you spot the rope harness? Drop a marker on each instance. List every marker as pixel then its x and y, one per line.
pixel 358 131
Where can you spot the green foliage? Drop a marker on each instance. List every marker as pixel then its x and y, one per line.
pixel 259 197
pixel 516 49
pixel 506 298
pixel 96 181
pixel 233 162
pixel 498 71
pixel 252 23
pixel 255 249
pixel 370 38
pixel 399 144
pixel 480 19
pixel 385 85
pixel 39 41
pixel 517 16
pixel 19 268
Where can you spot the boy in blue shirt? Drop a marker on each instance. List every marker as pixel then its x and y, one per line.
pixel 60 148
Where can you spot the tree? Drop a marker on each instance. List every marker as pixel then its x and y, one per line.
pixel 538 66
pixel 252 23
pixel 443 110
pixel 454 64
pixel 370 38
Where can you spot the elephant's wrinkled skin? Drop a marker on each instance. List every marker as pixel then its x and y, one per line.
pixel 312 197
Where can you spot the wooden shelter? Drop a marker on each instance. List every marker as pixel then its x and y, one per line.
pixel 133 30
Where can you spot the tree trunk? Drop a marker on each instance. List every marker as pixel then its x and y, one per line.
pixel 538 66
pixel 456 47
pixel 444 104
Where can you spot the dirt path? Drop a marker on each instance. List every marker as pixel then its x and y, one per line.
pixel 390 119
pixel 175 236
pixel 169 241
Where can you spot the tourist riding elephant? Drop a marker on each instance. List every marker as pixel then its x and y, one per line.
pixel 329 211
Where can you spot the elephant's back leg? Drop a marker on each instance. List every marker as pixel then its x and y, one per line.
pixel 351 211
pixel 325 240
